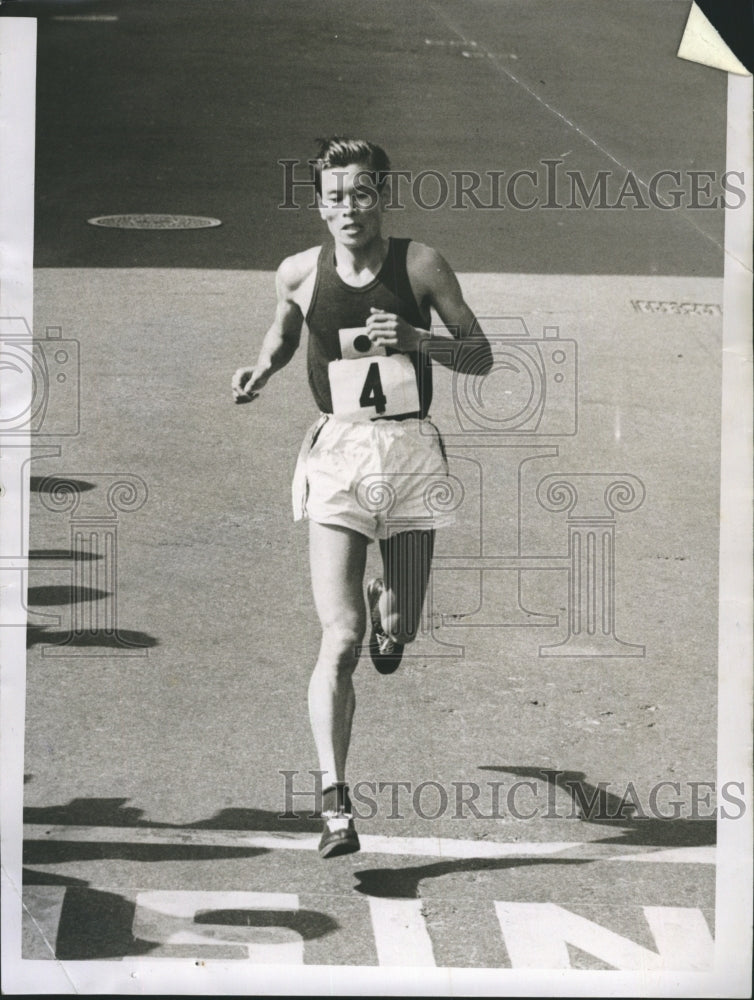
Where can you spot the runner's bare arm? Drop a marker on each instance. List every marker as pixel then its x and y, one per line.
pixel 465 348
pixel 283 337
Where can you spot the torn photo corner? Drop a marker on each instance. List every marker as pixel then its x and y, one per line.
pixel 702 43
pixel 550 785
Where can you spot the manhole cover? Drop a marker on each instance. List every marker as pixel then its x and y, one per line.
pixel 154 222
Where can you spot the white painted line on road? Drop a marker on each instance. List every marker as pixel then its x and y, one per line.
pixel 445 847
pixel 682 932
pixel 675 856
pixel 414 846
pixel 439 847
pixel 537 936
pixel 186 902
pixel 400 932
pixel 182 919
pixel 223 924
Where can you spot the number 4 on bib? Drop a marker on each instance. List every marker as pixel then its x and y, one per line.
pixel 365 388
pixel 372 394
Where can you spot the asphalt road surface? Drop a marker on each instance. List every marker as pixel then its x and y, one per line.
pixel 189 107
pixel 172 630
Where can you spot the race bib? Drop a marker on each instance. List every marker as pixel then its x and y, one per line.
pixel 369 387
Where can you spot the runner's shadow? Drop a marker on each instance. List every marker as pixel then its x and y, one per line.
pixel 403 883
pixel 595 805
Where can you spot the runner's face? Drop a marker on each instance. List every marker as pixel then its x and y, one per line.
pixel 351 205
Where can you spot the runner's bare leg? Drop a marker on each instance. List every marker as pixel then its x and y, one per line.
pixel 407 559
pixel 338 559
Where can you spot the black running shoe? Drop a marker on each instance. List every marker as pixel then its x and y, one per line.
pixel 385 652
pixel 339 834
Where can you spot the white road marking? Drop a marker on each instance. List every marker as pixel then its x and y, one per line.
pixel 444 847
pixel 440 847
pixel 186 902
pixel 674 855
pixel 497 62
pixel 683 933
pixel 177 919
pixel 220 925
pixel 537 936
pixel 400 932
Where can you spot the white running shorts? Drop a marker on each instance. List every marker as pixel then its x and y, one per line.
pixel 377 477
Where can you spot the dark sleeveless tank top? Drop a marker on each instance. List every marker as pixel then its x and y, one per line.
pixel 336 305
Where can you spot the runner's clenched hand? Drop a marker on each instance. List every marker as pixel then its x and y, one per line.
pixel 246 384
pixel 388 330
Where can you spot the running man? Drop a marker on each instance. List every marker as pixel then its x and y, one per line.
pixel 366 301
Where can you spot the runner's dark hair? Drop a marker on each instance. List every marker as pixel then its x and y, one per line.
pixel 342 151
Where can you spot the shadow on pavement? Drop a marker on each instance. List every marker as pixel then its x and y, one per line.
pixel 87 812
pixel 53 594
pixel 310 924
pixel 589 803
pixel 593 804
pixel 50 554
pixel 114 812
pixel 30 877
pixel 98 924
pixel 257 819
pixel 55 852
pixel 95 924
pixel 122 639
pixel 48 484
pixel 403 883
